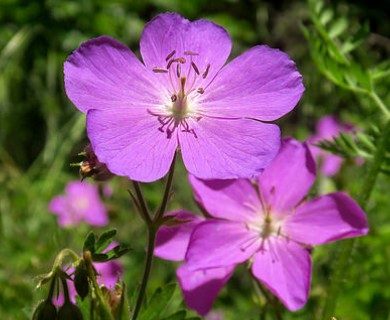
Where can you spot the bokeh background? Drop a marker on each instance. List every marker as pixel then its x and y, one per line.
pixel 41 133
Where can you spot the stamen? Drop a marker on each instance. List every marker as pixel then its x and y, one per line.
pixel 190 53
pixel 200 90
pixel 170 63
pixel 181 60
pixel 206 71
pixel 169 56
pixel 173 98
pixel 195 67
pixel 160 70
pixel 183 85
pixel 178 70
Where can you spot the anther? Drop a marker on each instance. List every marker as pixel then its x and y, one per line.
pixel 190 53
pixel 169 56
pixel 195 68
pixel 181 60
pixel 206 71
pixel 170 63
pixel 178 70
pixel 173 98
pixel 200 90
pixel 160 70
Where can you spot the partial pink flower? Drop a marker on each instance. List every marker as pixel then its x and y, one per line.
pixel 182 96
pixel 328 127
pixel 270 226
pixel 81 203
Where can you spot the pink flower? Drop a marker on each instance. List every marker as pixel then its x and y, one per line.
pixel 271 227
pixel 81 202
pixel 327 128
pixel 182 96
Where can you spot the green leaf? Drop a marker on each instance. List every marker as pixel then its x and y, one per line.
pixel 158 302
pixel 179 315
pixel 104 240
pixel 89 243
pixel 338 27
pixel 84 306
pixel 100 257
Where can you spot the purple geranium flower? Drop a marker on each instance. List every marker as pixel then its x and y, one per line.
pixel 81 202
pixel 182 96
pixel 327 128
pixel 270 226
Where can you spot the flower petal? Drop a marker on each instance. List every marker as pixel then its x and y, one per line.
pixel 285 269
pixel 288 179
pixel 170 32
pixel 130 143
pixel 327 218
pixel 228 149
pixel 172 241
pixel 104 73
pixel 234 200
pixel 217 243
pixel 200 288
pixel 262 83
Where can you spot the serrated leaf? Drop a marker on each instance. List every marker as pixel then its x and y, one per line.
pixel 356 40
pixel 158 302
pixel 104 240
pixel 89 243
pixel 179 315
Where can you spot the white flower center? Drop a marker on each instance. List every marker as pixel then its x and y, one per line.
pixel 183 75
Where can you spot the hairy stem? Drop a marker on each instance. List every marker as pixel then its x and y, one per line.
pixel 153 226
pixel 346 247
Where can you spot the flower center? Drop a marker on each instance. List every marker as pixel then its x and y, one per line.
pixel 183 78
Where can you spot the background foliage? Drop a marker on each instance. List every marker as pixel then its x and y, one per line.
pixel 341 48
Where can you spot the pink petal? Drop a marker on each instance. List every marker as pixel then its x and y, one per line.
pixel 327 218
pixel 228 149
pixel 108 273
pixel 234 200
pixel 103 74
pixel 262 83
pixel 285 269
pixel 200 288
pixel 170 32
pixel 172 241
pixel 288 179
pixel 218 243
pixel 130 143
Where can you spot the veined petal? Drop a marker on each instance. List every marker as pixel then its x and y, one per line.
pixel 288 179
pixel 172 241
pixel 262 83
pixel 170 32
pixel 327 218
pixel 228 149
pixel 285 269
pixel 103 73
pixel 201 287
pixel 234 200
pixel 218 243
pixel 131 143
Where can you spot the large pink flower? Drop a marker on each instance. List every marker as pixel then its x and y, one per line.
pixel 269 226
pixel 182 96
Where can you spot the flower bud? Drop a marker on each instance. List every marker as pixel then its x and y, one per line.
pixel 69 311
pixel 92 167
pixel 81 283
pixel 45 311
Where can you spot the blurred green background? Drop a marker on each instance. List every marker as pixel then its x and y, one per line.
pixel 41 133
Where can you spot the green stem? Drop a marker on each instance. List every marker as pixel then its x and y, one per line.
pixel 148 266
pixel 105 310
pixel 144 211
pixel 380 104
pixel 346 247
pixel 153 226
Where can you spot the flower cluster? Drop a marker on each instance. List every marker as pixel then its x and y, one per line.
pixel 183 97
pixel 265 222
